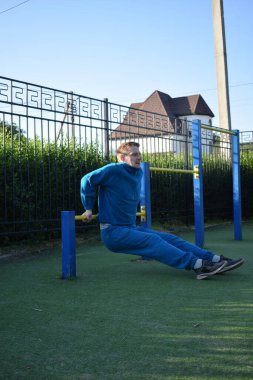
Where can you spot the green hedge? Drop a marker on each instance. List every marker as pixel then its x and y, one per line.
pixel 39 179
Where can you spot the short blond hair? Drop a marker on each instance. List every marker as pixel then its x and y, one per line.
pixel 125 147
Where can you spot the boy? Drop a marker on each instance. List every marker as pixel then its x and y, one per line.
pixel 119 193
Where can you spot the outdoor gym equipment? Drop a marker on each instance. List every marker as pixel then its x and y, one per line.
pixel 68 217
pixel 68 232
pixel 197 171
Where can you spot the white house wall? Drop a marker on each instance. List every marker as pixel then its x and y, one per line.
pixel 173 143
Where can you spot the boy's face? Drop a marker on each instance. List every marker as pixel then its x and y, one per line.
pixel 133 158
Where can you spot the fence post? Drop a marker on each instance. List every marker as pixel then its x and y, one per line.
pixel 198 183
pixel 71 108
pixel 236 186
pixel 145 198
pixel 68 244
pixel 186 166
pixel 106 129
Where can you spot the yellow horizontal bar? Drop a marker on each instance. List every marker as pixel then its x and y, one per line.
pixel 172 170
pixel 81 217
pixel 217 129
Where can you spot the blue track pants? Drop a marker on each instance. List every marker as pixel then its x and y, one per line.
pixel 167 248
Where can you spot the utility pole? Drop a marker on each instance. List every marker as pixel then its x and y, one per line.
pixel 70 110
pixel 221 65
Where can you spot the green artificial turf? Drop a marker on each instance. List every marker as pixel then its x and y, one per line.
pixel 127 320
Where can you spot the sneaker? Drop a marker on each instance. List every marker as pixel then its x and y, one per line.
pixel 231 264
pixel 209 269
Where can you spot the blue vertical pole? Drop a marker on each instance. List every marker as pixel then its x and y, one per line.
pixel 198 183
pixel 68 244
pixel 236 186
pixel 145 198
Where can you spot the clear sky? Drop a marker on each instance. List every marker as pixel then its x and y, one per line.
pixel 123 50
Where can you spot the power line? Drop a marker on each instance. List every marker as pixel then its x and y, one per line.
pixel 193 92
pixel 15 6
pixel 214 89
pixel 242 84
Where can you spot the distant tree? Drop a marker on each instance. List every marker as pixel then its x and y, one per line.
pixel 9 130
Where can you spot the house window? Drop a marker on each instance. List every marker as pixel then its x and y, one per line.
pixel 178 123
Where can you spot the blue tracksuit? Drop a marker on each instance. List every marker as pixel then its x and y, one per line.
pixel 118 197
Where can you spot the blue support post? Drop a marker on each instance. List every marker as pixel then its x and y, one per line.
pixel 68 244
pixel 236 186
pixel 198 183
pixel 145 198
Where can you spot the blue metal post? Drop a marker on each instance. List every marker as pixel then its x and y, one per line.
pixel 145 198
pixel 236 186
pixel 68 244
pixel 198 183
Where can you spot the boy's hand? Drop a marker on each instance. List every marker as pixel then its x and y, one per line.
pixel 87 216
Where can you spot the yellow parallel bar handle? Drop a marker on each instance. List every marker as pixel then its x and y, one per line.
pixel 217 129
pixel 196 171
pixel 172 170
pixel 143 213
pixel 81 217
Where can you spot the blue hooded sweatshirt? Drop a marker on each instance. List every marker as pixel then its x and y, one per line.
pixel 119 188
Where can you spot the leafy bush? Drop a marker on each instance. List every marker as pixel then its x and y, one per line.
pixel 39 179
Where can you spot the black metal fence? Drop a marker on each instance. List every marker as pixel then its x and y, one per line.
pixel 50 138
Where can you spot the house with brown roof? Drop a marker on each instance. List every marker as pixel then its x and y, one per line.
pixel 162 117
